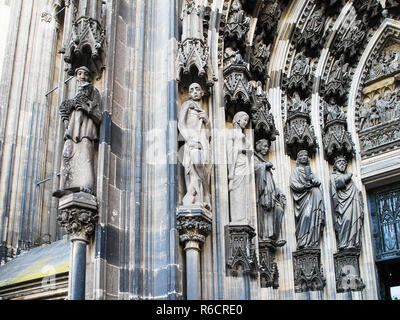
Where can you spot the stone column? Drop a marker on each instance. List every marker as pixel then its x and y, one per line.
pixel 78 215
pixel 194 224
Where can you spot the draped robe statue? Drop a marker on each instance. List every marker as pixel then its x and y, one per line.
pixel 347 206
pixel 194 126
pixel 81 117
pixel 239 153
pixel 309 203
pixel 270 200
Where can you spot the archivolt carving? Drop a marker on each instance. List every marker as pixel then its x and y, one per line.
pixel 377 110
pixel 311 37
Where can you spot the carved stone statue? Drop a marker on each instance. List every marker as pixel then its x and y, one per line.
pixel 238 24
pixel 300 73
pixel 270 200
pixel 232 55
pixel 309 203
pixel 194 126
pixel 312 34
pixel 333 112
pixel 81 117
pixel 347 206
pixel 239 153
pixel 337 80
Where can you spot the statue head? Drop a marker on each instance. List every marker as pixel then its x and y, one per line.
pixel 262 146
pixel 195 92
pixel 240 120
pixel 303 158
pixel 340 164
pixel 83 74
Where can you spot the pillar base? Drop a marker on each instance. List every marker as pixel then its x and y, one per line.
pixel 269 274
pixel 241 258
pixel 308 272
pixel 347 271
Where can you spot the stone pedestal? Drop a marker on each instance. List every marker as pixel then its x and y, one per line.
pixel 308 272
pixel 194 225
pixel 347 271
pixel 269 274
pixel 240 253
pixel 78 215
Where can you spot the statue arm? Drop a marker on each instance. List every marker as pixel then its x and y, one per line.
pixel 232 155
pixel 95 115
pixel 295 184
pixel 340 181
pixel 182 121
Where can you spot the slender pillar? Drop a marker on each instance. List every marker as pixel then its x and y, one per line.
pixel 192 250
pixel 78 269
pixel 78 215
pixel 194 224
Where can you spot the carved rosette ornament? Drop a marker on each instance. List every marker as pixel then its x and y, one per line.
pixel 298 131
pixel 336 139
pixel 85 46
pixel 347 271
pixel 241 258
pixel 308 272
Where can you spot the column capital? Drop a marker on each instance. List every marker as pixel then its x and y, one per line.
pixel 78 215
pixel 193 223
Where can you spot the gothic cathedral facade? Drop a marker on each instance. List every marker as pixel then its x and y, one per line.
pixel 200 149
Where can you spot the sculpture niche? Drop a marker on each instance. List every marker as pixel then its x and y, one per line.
pixel 239 153
pixel 309 204
pixel 270 200
pixel 194 126
pixel 81 117
pixel 348 214
pixel 270 208
pixel 310 220
pixel 240 253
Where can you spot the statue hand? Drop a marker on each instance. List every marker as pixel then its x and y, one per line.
pixel 269 165
pixel 308 185
pixel 316 183
pixel 194 144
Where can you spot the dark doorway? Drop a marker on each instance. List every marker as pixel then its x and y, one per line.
pixel 384 207
pixel 389 279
